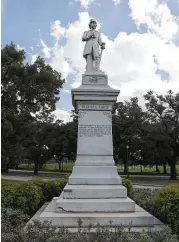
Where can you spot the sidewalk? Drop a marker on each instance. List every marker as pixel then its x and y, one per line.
pixel 66 174
pixel 140 181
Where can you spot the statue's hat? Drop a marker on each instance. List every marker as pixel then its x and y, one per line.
pixel 92 20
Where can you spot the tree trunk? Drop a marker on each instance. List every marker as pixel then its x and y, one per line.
pixel 173 174
pixel 59 166
pixel 36 167
pixel 141 169
pixel 62 165
pixel 7 167
pixel 157 169
pixel 125 167
pixel 164 169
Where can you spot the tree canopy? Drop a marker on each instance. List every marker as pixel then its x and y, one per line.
pixel 29 93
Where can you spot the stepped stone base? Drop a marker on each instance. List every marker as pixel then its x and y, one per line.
pixel 94 191
pixel 94 175
pixel 138 221
pixel 95 205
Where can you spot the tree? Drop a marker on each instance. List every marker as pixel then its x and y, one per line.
pixel 62 141
pixel 164 112
pixel 29 93
pixel 128 122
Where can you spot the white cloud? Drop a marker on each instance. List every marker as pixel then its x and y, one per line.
pixel 58 61
pixel 45 49
pixel 56 30
pixel 116 2
pixel 62 115
pixel 85 3
pixel 130 60
pixel 156 16
pixel 66 91
pixel 33 58
pixel 20 47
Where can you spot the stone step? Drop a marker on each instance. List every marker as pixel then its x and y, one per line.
pixel 70 220
pixel 75 180
pixel 95 205
pixel 94 191
pixel 92 171
pixel 92 160
pixel 94 175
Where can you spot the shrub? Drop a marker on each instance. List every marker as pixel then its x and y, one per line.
pixel 128 184
pixel 167 204
pixel 45 232
pixel 12 222
pixel 145 198
pixel 51 188
pixel 13 217
pixel 30 195
pixel 24 196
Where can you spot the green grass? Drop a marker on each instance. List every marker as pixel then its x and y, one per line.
pixel 145 170
pixel 67 167
pixel 7 182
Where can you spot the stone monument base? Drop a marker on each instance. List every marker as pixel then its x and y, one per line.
pixel 137 221
pixel 94 192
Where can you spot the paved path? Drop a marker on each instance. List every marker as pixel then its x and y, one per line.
pixel 51 173
pixel 27 178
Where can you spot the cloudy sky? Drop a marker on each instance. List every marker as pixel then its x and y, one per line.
pixel 142 41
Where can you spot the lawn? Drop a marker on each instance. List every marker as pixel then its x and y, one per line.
pixel 67 167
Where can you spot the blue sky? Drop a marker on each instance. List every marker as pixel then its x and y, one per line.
pixel 133 38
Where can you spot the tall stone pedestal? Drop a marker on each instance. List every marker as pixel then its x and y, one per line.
pixel 94 191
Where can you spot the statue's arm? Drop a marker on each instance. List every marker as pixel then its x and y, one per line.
pixel 99 39
pixel 85 36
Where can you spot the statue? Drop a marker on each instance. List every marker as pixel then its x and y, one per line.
pixel 92 52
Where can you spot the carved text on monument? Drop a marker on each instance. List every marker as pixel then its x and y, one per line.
pixel 95 107
pixel 97 130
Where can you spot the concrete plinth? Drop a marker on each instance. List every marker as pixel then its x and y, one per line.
pixel 138 219
pixel 94 191
pixel 95 205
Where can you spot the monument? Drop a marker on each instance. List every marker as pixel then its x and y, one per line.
pixel 94 191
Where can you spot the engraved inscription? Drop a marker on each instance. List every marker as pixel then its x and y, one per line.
pixel 95 107
pixel 97 130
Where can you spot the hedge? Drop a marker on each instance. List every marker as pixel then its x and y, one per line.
pixel 162 203
pixel 25 198
pixel 167 206
pixel 28 196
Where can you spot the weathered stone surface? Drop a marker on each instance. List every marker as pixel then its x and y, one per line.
pixel 94 79
pixel 94 133
pixel 94 191
pixel 134 219
pixel 88 175
pixel 71 220
pixel 95 205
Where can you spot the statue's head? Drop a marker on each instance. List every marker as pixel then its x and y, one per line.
pixel 92 24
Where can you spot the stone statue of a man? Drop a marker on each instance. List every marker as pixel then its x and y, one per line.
pixel 92 51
